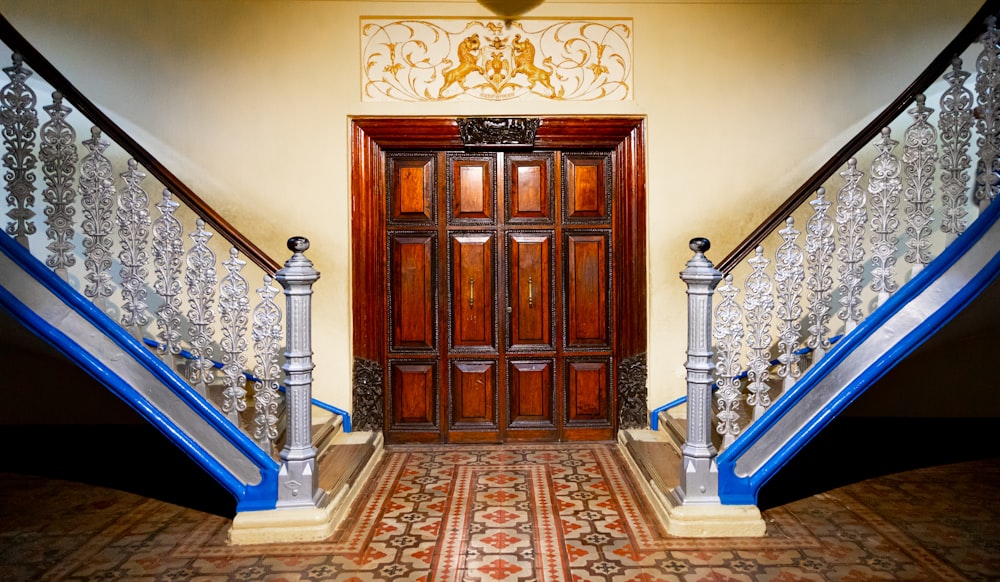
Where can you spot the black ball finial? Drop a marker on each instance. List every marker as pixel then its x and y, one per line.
pixel 298 244
pixel 699 244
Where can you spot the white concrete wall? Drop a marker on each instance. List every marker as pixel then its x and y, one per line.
pixel 248 102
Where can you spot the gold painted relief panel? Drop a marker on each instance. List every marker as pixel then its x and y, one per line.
pixel 482 60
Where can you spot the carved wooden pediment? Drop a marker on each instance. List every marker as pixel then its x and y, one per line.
pixel 498 132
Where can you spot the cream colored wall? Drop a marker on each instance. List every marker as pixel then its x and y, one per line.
pixel 249 102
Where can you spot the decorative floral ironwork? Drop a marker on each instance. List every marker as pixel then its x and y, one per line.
pixel 852 219
pixel 819 249
pixel 758 303
pixel 234 310
pixel 988 118
pixel 919 158
pixel 955 129
pixel 883 187
pixel 266 335
pixel 59 158
pixel 168 247
pixel 728 335
pixel 97 191
pixel 368 395
pixel 20 120
pixel 632 412
pixel 424 60
pixel 908 178
pixel 788 276
pixel 201 281
pixel 133 233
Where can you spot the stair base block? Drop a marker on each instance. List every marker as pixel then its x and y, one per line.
pixel 715 521
pixel 654 461
pixel 345 464
pixel 284 525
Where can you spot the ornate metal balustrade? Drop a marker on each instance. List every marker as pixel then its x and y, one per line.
pixel 874 223
pixel 156 268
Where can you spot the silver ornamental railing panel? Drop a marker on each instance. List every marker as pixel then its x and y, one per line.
pixel 20 124
pixel 873 225
pixel 151 265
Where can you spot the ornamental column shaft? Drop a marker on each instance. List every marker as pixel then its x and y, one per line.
pixel 699 474
pixel 297 479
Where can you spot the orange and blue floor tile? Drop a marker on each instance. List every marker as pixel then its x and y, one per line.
pixel 566 512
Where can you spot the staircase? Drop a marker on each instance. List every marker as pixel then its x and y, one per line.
pixel 170 308
pixel 131 292
pixel 900 236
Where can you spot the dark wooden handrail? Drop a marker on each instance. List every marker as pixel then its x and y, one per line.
pixel 938 66
pixel 42 67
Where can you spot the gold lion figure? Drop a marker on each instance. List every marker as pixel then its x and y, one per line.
pixel 524 62
pixel 468 55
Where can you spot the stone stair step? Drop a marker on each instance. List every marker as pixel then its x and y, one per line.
pixel 675 427
pixel 345 458
pixel 656 457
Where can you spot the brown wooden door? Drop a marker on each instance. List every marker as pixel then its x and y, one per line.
pixel 500 295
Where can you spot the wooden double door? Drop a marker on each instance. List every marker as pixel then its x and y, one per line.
pixel 500 295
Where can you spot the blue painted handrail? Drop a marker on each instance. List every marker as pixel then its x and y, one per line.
pixel 261 495
pixel 735 490
pixel 345 416
pixel 654 416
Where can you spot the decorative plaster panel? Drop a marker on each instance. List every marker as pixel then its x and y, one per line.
pixel 486 60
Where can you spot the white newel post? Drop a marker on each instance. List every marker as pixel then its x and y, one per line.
pixel 297 480
pixel 699 475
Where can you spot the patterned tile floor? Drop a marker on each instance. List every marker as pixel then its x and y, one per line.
pixel 518 513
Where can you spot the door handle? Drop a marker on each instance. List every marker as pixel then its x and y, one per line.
pixel 531 294
pixel 472 292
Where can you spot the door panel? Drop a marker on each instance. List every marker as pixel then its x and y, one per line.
pixel 412 188
pixel 529 290
pixel 474 396
pixel 473 293
pixel 529 188
pixel 413 386
pixel 587 290
pixel 412 294
pixel 531 395
pixel 587 187
pixel 587 399
pixel 472 188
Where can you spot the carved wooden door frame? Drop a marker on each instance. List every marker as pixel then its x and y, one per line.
pixel 371 136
